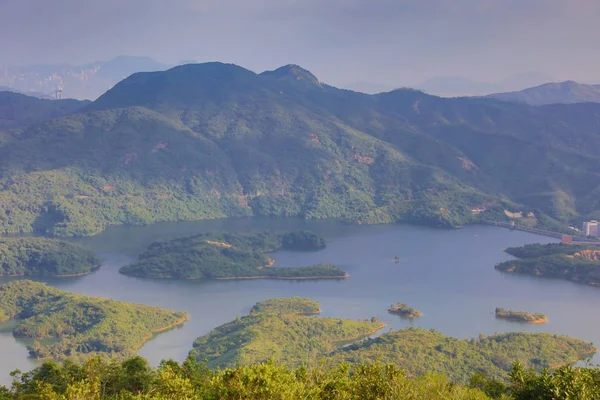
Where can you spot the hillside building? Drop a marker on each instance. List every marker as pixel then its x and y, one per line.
pixel 590 228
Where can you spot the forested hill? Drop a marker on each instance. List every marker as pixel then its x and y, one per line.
pixel 17 109
pixel 216 140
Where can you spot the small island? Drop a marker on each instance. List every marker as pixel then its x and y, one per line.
pixel 555 260
pixel 222 256
pixel 521 316
pixel 34 256
pixel 66 325
pixel 303 241
pixel 404 310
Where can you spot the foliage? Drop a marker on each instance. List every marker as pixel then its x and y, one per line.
pixel 220 256
pixel 17 109
pixel 282 333
pixel 215 140
pixel 572 262
pixel 287 305
pixel 419 351
pixel 520 316
pixel 303 240
pixel 100 380
pixel 538 250
pixel 80 326
pixel 404 310
pixel 282 330
pixel 44 257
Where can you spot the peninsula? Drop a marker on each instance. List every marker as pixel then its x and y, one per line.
pixel 66 325
pixel 555 260
pixel 282 330
pixel 521 316
pixel 223 256
pixel 404 310
pixel 36 256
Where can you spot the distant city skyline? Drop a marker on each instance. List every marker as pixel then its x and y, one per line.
pixel 385 42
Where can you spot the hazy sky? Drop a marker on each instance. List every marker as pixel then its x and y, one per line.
pixel 341 41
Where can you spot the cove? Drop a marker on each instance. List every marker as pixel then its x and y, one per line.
pixel 447 274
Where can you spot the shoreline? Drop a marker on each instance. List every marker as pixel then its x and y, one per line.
pixel 534 322
pixel 159 330
pixel 231 278
pixel 346 275
pixel 359 336
pixel 51 276
pixel 137 348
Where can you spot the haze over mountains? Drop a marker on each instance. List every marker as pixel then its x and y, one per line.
pixel 81 82
pixel 568 92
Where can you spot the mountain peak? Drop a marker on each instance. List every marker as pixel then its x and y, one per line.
pixel 293 72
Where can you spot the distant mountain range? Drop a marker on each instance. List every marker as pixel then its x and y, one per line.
pixel 216 140
pixel 568 92
pixel 460 86
pixel 81 82
pixel 456 86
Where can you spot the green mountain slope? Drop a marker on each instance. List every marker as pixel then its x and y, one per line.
pixel 215 140
pixel 568 92
pixel 18 109
pixel 44 257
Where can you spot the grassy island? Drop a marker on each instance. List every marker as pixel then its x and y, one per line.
pixel 556 260
pixel 44 257
pixel 70 325
pixel 280 329
pixel 404 310
pixel 521 316
pixel 222 256
pixel 303 240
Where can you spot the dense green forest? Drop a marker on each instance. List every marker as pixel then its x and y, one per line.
pixel 303 240
pixel 404 310
pixel 281 329
pixel 98 379
pixel 17 109
pixel 521 316
pixel 44 257
pixel 222 256
pixel 572 262
pixel 80 326
pixel 277 329
pixel 419 352
pixel 215 140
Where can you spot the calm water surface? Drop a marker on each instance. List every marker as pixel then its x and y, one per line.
pixel 448 274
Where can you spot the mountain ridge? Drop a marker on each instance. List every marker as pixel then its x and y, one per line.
pixel 567 92
pixel 216 140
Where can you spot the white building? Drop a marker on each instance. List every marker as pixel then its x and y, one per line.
pixel 590 228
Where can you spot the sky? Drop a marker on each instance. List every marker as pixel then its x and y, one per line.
pixel 392 42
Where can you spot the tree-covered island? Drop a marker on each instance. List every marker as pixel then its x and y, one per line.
pixel 67 325
pixel 555 260
pixel 36 256
pixel 303 240
pixel 404 310
pixel 222 256
pixel 521 316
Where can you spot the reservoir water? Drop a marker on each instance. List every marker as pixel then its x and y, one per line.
pixel 448 274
